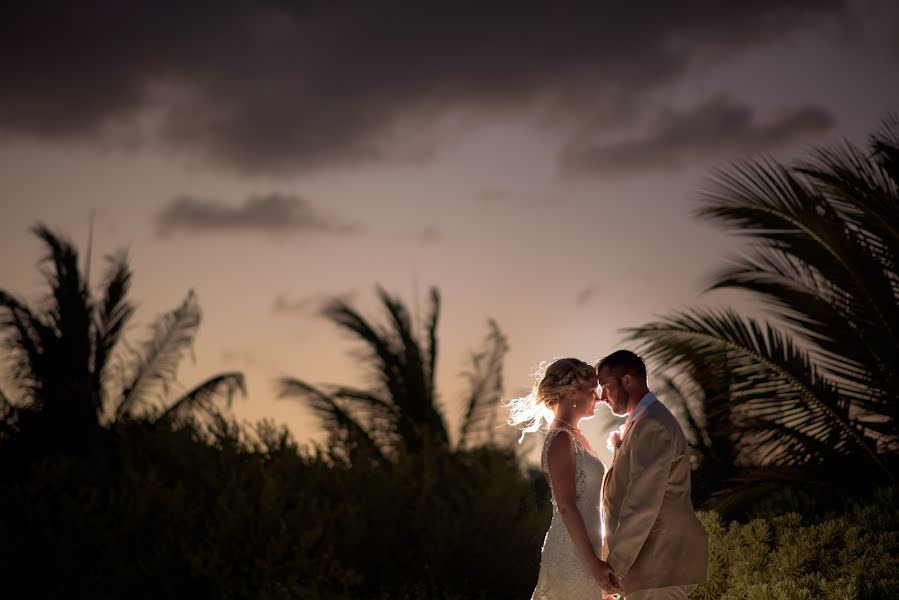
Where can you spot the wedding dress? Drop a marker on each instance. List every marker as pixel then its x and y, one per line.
pixel 563 573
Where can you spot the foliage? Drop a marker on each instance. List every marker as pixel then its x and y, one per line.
pixel 230 512
pixel 400 412
pixel 70 364
pixel 851 554
pixel 817 387
pixel 222 511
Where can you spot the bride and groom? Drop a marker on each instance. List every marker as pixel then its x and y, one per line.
pixel 629 529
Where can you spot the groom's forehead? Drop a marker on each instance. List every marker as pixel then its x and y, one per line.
pixel 608 374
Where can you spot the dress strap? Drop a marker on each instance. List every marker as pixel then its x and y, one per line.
pixel 550 436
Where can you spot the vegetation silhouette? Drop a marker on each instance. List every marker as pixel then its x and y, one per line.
pixel 400 413
pixel 109 489
pixel 70 365
pixel 810 398
pixel 107 493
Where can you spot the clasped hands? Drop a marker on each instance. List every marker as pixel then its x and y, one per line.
pixel 606 577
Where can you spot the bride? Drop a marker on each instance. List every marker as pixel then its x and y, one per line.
pixel 570 567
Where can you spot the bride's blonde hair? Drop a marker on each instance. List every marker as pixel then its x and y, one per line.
pixel 552 381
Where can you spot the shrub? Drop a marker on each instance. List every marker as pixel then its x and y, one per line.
pixel 852 554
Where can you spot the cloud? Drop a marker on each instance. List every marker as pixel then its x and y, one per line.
pixel 277 87
pixel 271 213
pixel 425 235
pixel 718 128
pixel 311 304
pixel 243 357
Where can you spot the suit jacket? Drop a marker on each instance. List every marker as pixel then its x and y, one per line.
pixel 651 535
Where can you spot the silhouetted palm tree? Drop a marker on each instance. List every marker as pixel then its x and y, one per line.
pixel 70 363
pixel 820 386
pixel 400 413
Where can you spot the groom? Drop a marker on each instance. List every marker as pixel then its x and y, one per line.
pixel 652 538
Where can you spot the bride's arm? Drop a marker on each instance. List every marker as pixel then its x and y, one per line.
pixel 561 465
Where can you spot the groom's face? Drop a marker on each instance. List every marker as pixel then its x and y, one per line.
pixel 613 392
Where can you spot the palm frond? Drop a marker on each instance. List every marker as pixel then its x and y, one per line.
pixel 66 387
pixel 26 337
pixel 380 353
pixel 418 387
pixel 676 398
pixel 395 357
pixel 821 260
pixel 433 318
pixel 864 196
pixel 70 310
pixel 369 404
pixel 112 315
pixel 885 147
pixel 485 388
pixel 336 420
pixel 800 296
pixel 408 351
pixel 773 379
pixel 8 416
pixel 157 363
pixel 203 397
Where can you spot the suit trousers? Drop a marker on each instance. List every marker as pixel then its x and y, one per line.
pixel 675 592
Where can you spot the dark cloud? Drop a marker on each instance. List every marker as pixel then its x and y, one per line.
pixel 718 128
pixel 278 87
pixel 272 213
pixel 312 304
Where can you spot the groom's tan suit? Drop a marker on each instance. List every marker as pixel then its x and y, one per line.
pixel 652 537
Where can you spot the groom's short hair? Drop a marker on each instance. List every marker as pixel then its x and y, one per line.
pixel 625 362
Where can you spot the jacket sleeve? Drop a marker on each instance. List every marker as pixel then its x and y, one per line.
pixel 651 452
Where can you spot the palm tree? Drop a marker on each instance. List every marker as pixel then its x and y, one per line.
pixel 70 363
pixel 400 413
pixel 818 384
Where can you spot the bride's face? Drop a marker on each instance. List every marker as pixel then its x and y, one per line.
pixel 587 396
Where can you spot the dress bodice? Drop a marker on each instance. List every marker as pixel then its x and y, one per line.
pixel 588 469
pixel 563 573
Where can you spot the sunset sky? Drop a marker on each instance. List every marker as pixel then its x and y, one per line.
pixel 539 165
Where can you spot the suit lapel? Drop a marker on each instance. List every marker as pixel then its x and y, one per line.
pixel 630 424
pixel 627 429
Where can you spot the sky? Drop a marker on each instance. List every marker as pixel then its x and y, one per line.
pixel 539 163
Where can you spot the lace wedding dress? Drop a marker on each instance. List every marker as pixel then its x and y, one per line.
pixel 563 574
